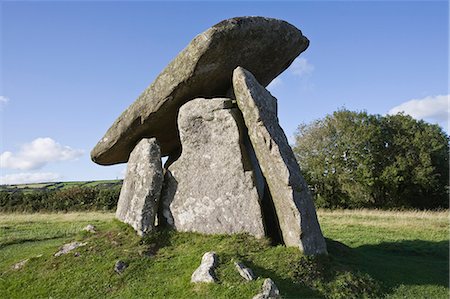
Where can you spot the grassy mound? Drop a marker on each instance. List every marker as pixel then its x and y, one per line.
pixel 160 265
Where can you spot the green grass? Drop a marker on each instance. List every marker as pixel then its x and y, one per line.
pixel 383 254
pixel 407 251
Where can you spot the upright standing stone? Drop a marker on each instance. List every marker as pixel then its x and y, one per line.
pixel 211 187
pixel 292 200
pixel 141 189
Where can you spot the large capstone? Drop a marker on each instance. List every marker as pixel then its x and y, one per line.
pixel 211 187
pixel 291 198
pixel 141 189
pixel 204 68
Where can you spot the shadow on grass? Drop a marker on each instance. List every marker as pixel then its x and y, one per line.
pixel 288 286
pixel 406 262
pixel 7 243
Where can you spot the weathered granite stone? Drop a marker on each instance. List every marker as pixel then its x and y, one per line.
pixel 205 272
pixel 120 266
pixel 211 187
pixel 293 203
pixel 90 228
pixel 141 189
pixel 66 248
pixel 269 290
pixel 244 271
pixel 204 68
pixel 19 265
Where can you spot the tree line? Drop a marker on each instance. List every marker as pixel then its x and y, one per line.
pixel 358 160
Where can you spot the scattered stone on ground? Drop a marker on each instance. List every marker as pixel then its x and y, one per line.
pixel 292 200
pixel 19 265
pixel 141 189
pixel 264 46
pixel 90 228
pixel 244 271
pixel 269 290
pixel 120 266
pixel 205 272
pixel 66 248
pixel 211 188
pixel 76 254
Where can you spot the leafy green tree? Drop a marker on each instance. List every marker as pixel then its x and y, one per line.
pixel 354 159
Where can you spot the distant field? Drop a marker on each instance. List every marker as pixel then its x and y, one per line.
pixel 58 185
pixel 372 254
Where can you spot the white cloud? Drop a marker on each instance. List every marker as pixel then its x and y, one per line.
pixel 301 67
pixel 4 100
pixel 275 83
pixel 29 178
pixel 37 154
pixel 431 108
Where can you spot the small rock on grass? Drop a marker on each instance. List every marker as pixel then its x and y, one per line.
pixel 269 290
pixel 120 266
pixel 19 265
pixel 205 272
pixel 66 248
pixel 90 228
pixel 244 271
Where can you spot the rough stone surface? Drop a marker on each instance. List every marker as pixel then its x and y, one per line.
pixel 211 188
pixel 269 290
pixel 66 248
pixel 19 265
pixel 204 68
pixel 120 266
pixel 293 203
pixel 205 272
pixel 90 228
pixel 244 271
pixel 141 189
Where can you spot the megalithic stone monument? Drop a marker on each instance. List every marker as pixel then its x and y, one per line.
pixel 231 169
pixel 291 197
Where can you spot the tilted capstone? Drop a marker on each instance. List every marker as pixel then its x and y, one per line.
pixel 204 68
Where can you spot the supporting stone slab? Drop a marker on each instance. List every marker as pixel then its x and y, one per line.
pixel 292 200
pixel 211 188
pixel 141 189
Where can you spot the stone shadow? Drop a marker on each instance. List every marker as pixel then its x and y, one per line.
pixel 406 262
pixel 165 217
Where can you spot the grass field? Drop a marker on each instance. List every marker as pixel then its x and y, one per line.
pixel 372 254
pixel 59 185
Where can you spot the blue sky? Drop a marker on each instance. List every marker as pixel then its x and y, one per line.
pixel 68 69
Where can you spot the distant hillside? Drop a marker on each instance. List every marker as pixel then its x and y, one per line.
pixel 59 186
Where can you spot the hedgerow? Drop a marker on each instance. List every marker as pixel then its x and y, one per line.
pixel 66 200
